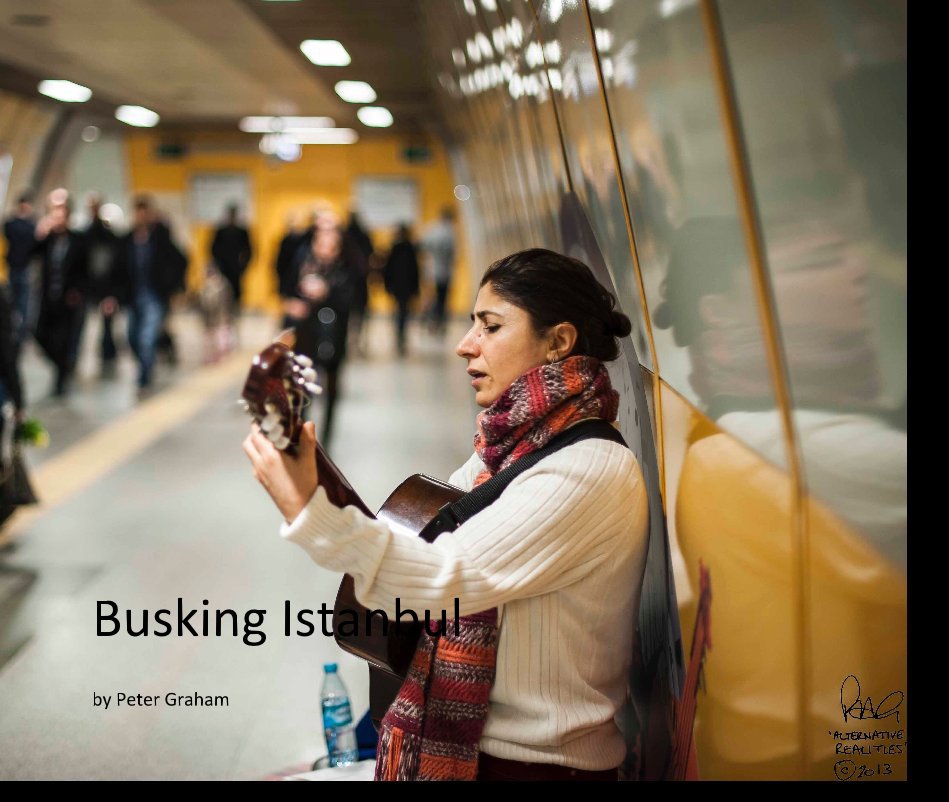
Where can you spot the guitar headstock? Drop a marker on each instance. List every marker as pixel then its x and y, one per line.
pixel 278 388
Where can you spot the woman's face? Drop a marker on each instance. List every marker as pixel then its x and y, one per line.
pixel 500 346
pixel 326 244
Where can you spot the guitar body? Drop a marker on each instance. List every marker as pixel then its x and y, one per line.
pixel 412 510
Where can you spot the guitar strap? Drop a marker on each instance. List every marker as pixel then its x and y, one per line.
pixel 453 515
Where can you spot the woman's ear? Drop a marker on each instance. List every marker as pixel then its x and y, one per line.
pixel 560 341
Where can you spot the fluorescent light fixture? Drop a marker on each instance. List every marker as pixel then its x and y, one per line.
pixel 271 143
pixel 325 52
pixel 375 116
pixel 267 125
pixel 328 136
pixel 355 91
pixel 66 91
pixel 138 116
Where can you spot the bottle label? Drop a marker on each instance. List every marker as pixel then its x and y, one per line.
pixel 336 713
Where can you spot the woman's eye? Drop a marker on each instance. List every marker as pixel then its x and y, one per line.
pixel 491 328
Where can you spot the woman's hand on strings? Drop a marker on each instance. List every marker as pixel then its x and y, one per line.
pixel 290 481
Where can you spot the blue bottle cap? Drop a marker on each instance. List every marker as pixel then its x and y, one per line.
pixel 329 668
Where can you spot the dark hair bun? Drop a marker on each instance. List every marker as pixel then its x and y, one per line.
pixel 553 288
pixel 619 325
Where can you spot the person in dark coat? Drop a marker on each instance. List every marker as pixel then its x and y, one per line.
pixel 231 251
pixel 11 387
pixel 360 244
pixel 149 269
pixel 19 230
pixel 102 244
pixel 400 275
pixel 63 281
pixel 317 306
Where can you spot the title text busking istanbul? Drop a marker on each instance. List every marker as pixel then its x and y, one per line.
pixel 207 622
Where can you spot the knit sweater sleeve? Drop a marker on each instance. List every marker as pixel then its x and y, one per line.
pixel 552 525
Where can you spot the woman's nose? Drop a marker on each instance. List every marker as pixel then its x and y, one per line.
pixel 468 346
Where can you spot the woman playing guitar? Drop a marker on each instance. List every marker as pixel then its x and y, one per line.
pixel 548 576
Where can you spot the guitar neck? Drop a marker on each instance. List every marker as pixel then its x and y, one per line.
pixel 338 489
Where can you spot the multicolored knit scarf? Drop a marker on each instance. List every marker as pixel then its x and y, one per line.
pixel 540 404
pixel 433 728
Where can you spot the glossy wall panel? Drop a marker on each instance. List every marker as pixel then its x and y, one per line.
pixel 821 92
pixel 680 190
pixel 564 34
pixel 24 126
pixel 732 511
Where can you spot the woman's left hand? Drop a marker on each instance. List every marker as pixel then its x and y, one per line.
pixel 290 481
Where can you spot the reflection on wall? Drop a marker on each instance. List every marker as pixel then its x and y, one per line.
pixel 617 103
pixel 733 513
pixel 829 169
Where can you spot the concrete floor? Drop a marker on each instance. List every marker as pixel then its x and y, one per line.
pixel 149 503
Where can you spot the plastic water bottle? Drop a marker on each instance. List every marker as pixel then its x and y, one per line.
pixel 337 719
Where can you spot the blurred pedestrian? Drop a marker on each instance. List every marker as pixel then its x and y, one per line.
pixel 150 268
pixel 64 280
pixel 102 244
pixel 231 251
pixel 439 244
pixel 317 300
pixel 400 275
pixel 360 244
pixel 19 230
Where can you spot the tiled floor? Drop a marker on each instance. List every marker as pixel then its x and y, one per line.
pixel 180 516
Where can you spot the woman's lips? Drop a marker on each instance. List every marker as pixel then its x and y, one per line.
pixel 476 377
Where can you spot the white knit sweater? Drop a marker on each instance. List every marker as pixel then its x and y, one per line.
pixel 561 553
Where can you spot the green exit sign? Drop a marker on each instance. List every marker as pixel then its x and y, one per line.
pixel 170 150
pixel 417 154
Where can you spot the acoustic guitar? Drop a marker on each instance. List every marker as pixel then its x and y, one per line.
pixel 277 390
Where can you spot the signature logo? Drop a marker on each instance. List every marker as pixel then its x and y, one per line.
pixel 854 706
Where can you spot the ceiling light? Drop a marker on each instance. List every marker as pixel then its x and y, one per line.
pixel 325 52
pixel 375 116
pixel 66 91
pixel 138 116
pixel 266 125
pixel 328 136
pixel 280 146
pixel 355 91
pixel 270 143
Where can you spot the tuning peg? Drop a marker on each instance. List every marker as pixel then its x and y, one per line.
pixel 282 443
pixel 303 361
pixel 275 433
pixel 313 388
pixel 243 404
pixel 269 422
pixel 309 375
pixel 270 407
